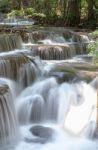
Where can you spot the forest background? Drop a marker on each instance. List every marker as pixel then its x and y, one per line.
pixel 73 13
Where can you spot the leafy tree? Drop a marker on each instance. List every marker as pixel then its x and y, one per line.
pixel 4 6
pixel 69 12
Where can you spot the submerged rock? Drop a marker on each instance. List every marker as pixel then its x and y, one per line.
pixel 41 134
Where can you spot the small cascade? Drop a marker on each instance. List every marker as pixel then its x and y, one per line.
pixel 54 38
pixel 46 101
pixel 51 36
pixel 54 52
pixel 8 118
pixel 30 70
pixel 10 42
pixel 51 111
pixel 82 40
pixel 58 45
pixel 12 65
pixel 38 106
pixel 16 21
pixel 36 36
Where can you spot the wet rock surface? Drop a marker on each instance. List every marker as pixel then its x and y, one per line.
pixel 3 89
pixel 10 42
pixel 68 71
pixel 41 134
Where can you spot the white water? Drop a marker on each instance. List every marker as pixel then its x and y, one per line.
pixel 8 118
pixel 56 46
pixel 68 109
pixel 60 140
pixel 13 21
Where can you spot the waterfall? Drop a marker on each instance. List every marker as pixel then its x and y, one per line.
pixel 18 67
pixel 54 52
pixel 57 45
pixel 8 118
pixel 86 108
pixel 36 103
pixel 46 101
pixel 47 105
pixel 40 107
pixel 10 42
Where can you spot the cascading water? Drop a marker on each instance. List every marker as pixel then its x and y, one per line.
pixel 15 21
pixel 8 118
pixel 43 113
pixel 49 115
pixel 10 42
pixel 12 65
pixel 58 45
pixel 38 102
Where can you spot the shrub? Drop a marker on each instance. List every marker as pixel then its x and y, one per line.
pixel 93 50
pixel 29 11
pixel 18 13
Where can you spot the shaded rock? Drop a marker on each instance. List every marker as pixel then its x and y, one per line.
pixel 63 74
pixel 42 134
pixel 70 71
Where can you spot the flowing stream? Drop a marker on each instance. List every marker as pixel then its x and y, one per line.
pixel 37 112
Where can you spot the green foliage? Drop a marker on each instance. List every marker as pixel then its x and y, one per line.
pixel 50 9
pixel 93 50
pixel 18 13
pixel 83 9
pixel 92 47
pixel 4 6
pixel 95 57
pixel 39 15
pixel 29 11
pixel 94 35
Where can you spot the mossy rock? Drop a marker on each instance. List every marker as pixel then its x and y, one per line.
pixel 73 71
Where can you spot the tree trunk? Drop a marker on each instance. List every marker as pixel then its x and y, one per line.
pixel 14 4
pixel 91 16
pixel 90 10
pixel 73 12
